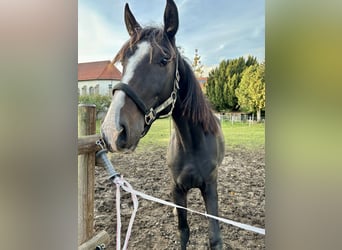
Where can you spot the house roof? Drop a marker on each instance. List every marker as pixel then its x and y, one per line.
pixel 202 79
pixel 102 70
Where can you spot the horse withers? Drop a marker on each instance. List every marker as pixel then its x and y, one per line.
pixel 156 82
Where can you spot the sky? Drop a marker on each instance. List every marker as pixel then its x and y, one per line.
pixel 220 29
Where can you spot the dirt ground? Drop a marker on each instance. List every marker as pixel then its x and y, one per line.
pixel 241 198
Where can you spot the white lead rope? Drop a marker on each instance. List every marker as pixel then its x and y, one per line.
pixel 120 182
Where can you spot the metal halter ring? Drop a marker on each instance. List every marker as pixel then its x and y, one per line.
pixel 100 143
pixel 150 117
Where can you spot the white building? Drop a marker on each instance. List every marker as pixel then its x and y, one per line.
pixel 97 78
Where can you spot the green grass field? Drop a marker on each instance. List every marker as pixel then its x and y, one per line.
pixel 242 134
pixel 237 134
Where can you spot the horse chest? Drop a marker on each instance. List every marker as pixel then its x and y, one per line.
pixel 192 170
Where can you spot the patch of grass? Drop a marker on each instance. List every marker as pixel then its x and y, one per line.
pixel 98 125
pixel 158 135
pixel 242 134
pixel 236 135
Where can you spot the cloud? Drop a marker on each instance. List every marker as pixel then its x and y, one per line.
pixel 229 30
pixel 221 46
pixel 97 38
pixel 224 30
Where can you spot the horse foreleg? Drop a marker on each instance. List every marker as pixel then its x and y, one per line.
pixel 180 197
pixel 209 193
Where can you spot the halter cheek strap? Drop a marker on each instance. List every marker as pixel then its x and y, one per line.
pixel 151 114
pixel 169 101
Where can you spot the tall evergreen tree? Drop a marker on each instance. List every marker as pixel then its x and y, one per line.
pixel 224 80
pixel 251 60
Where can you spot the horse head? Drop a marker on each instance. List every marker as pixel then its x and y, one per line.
pixel 148 88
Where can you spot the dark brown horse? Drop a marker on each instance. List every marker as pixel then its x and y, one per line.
pixel 156 82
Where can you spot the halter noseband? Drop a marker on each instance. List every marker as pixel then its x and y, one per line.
pixel 151 114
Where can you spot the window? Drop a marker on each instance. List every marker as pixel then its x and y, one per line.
pixel 97 89
pixel 110 89
pixel 84 90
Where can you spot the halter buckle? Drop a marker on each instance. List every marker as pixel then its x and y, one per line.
pixel 150 116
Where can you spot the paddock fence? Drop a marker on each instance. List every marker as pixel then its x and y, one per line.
pixel 87 147
pixel 239 117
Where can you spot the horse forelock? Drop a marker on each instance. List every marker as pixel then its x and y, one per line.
pixel 157 38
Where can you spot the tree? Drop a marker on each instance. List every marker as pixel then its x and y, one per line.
pixel 251 92
pixel 215 86
pixel 197 65
pixel 210 88
pixel 224 80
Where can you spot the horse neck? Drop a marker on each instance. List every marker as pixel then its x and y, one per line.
pixel 188 132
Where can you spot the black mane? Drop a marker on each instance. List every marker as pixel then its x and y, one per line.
pixel 194 104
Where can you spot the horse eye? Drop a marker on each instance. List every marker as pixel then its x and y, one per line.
pixel 164 61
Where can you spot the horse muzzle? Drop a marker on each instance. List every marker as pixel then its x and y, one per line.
pixel 122 127
pixel 122 138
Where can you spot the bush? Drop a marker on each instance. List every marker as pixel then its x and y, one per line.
pixel 102 102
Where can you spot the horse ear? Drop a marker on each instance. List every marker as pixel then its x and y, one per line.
pixel 171 19
pixel 131 24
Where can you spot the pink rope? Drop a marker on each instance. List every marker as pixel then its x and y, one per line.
pixel 118 218
pixel 120 182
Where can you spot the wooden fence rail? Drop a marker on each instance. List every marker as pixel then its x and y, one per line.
pixel 86 175
pixel 86 144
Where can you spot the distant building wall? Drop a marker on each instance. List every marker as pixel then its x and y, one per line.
pixel 102 87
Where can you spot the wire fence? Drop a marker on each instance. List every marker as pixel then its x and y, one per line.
pixel 239 118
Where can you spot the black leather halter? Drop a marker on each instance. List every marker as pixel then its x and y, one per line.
pixel 152 113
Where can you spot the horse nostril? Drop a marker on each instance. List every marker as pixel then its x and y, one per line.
pixel 114 139
pixel 121 142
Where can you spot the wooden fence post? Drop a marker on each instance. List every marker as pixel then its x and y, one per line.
pixel 86 170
